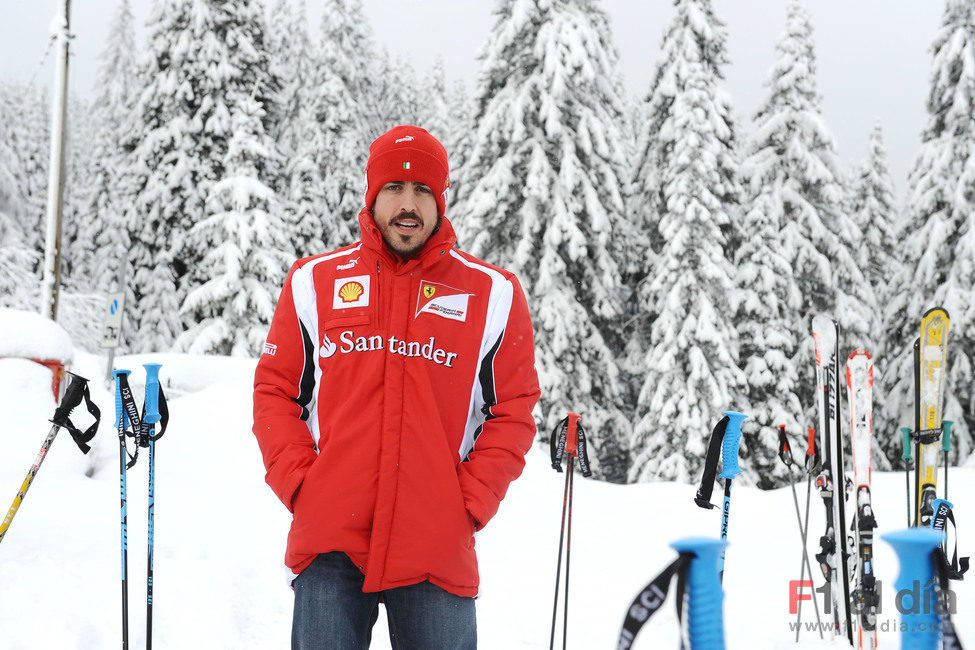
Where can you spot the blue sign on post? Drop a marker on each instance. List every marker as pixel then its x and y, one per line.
pixel 112 328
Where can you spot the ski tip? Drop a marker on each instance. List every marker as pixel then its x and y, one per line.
pixel 935 309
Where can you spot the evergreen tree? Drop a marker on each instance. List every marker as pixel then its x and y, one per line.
pixel 203 56
pixel 794 153
pixel 396 94
pixel 293 60
pixel 936 233
pixel 232 311
pixel 166 171
pixel 874 212
pixel 545 201
pixel 769 298
pixel 16 261
pixel 689 371
pixel 78 226
pixel 459 139
pixel 339 142
pixel 27 117
pixel 113 109
pixel 79 306
pixel 433 113
pixel 311 222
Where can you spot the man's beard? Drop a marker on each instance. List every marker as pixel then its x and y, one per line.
pixel 411 252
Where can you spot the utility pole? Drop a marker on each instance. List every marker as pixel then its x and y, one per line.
pixel 55 188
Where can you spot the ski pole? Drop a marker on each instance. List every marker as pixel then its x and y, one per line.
pixel 917 432
pixel 812 465
pixel 906 457
pixel 946 448
pixel 151 417
pixel 76 391
pixel 568 553
pixel 729 470
pixel 920 622
pixel 570 443
pixel 785 453
pixel 558 568
pixel 121 422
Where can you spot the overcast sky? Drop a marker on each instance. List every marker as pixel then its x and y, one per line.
pixel 873 55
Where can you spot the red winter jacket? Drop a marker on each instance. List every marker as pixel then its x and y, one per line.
pixel 393 405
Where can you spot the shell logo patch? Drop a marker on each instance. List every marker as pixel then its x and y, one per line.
pixel 441 300
pixel 351 292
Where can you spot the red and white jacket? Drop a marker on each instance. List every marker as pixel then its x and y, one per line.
pixel 393 406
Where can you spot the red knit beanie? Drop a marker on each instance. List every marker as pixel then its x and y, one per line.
pixel 408 153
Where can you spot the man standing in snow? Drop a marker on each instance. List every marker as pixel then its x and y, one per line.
pixel 392 406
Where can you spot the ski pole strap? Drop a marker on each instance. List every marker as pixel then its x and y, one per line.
pixel 77 390
pixel 163 411
pixel 949 636
pixel 927 436
pixel 906 454
pixel 652 598
pixel 583 453
pixel 955 569
pixel 125 403
pixel 129 409
pixel 703 496
pixel 556 443
pixel 569 442
pixel 812 451
pixel 785 450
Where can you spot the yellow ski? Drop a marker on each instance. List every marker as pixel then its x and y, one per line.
pixel 930 371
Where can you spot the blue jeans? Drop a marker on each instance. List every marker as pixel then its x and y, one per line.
pixel 332 612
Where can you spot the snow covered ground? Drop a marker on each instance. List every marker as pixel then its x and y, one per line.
pixel 220 535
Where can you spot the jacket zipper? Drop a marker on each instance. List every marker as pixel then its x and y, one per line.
pixel 379 306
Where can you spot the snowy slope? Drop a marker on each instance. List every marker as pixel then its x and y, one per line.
pixel 220 534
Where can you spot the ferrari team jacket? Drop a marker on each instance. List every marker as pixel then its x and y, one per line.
pixel 393 406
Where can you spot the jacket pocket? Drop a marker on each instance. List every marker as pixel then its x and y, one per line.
pixel 350 320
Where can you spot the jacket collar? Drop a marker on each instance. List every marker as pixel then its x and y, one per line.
pixel 436 247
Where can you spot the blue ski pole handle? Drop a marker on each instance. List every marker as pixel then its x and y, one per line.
pixel 152 392
pixel 705 620
pixel 120 413
pixel 946 436
pixel 729 449
pixel 914 547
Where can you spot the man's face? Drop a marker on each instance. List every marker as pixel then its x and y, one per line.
pixel 406 214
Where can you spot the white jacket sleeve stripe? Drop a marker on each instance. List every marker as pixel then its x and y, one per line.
pixel 499 307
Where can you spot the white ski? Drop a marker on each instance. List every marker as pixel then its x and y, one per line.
pixel 859 384
pixel 835 553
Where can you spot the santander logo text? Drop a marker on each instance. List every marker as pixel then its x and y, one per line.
pixel 349 342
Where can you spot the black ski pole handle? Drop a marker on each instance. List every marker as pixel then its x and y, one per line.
pixel 73 395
